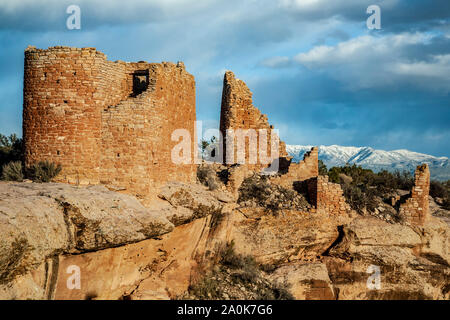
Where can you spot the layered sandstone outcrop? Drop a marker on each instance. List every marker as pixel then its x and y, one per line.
pixel 110 123
pixel 42 220
pixel 114 241
pixel 407 268
pixel 126 251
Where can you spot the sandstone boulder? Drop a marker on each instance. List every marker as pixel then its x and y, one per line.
pixel 194 197
pixel 410 264
pixel 51 227
pixel 42 220
pixel 287 236
pixel 308 281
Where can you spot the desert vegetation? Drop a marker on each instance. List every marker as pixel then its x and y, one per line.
pixel 11 159
pixel 440 191
pixel 258 191
pixel 363 188
pixel 207 176
pixel 237 276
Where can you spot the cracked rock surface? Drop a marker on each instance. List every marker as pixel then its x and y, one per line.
pixel 128 251
pixel 41 220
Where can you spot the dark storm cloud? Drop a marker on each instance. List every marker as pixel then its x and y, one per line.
pixel 315 109
pixel 312 65
pixel 46 15
pixel 397 15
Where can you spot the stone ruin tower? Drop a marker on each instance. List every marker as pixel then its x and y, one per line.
pixel 106 122
pixel 238 112
pixel 416 207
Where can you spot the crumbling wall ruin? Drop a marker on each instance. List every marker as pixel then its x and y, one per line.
pixel 111 122
pixel 327 196
pixel 416 207
pixel 304 170
pixel 106 122
pixel 238 113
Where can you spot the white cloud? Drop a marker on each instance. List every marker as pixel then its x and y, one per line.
pixel 336 7
pixel 439 67
pixel 276 62
pixel 372 61
pixel 360 48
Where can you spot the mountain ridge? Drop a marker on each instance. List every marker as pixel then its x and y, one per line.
pixel 375 159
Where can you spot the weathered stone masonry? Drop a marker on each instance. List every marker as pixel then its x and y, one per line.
pixel 306 169
pixel 238 112
pixel 416 207
pixel 106 122
pixel 111 123
pixel 327 196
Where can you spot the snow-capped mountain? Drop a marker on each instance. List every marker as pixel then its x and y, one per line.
pixel 376 160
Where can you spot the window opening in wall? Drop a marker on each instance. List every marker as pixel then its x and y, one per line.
pixel 140 82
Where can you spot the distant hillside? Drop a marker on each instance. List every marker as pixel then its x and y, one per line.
pixel 366 157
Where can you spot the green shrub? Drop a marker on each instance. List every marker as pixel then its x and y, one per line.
pixel 441 190
pixel 323 171
pixel 257 190
pixel 12 171
pixel 254 188
pixel 366 185
pixel 43 171
pixel 438 189
pixel 446 204
pixel 236 276
pixel 385 181
pixel 360 197
pixel 207 288
pixel 11 149
pixel 237 261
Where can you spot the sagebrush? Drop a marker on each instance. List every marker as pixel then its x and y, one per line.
pixel 43 171
pixel 12 171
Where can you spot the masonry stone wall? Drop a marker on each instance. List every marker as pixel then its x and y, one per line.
pixel 327 196
pixel 238 112
pixel 304 170
pixel 416 207
pixel 106 122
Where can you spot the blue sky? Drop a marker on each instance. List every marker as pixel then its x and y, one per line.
pixel 313 66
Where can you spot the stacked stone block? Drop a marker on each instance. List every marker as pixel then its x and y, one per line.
pixel 81 111
pixel 416 208
pixel 61 115
pixel 238 112
pixel 304 170
pixel 328 197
